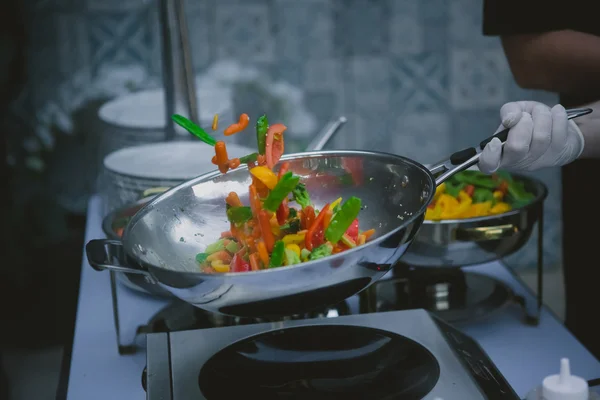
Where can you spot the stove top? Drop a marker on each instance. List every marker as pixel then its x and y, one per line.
pixel 392 355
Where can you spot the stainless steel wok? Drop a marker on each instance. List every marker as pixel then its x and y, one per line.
pixel 162 239
pixel 472 241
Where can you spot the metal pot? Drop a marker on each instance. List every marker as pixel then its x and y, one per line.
pixel 471 241
pixel 113 225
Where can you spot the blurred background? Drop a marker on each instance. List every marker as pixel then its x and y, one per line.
pixel 414 77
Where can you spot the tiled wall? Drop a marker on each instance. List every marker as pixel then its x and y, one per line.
pixel 415 77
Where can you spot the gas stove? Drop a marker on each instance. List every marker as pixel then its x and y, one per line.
pixel 390 355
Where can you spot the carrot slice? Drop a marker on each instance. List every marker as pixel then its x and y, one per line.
pixel 368 233
pixel 222 158
pixel 254 262
pixel 265 227
pixel 262 253
pixel 237 127
pixel 233 200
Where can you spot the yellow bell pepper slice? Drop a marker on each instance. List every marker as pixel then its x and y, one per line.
pixel 335 203
pixel 275 225
pixel 294 247
pixel 439 191
pixel 265 175
pixel 219 266
pixel 460 208
pixel 500 208
pixel 479 209
pixel 498 195
pixel 296 238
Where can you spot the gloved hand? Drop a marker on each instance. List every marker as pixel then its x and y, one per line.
pixel 539 137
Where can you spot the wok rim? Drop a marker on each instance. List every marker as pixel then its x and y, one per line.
pixel 539 198
pixel 293 156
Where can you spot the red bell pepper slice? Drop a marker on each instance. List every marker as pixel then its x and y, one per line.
pixel 352 230
pixel 316 232
pixel 238 264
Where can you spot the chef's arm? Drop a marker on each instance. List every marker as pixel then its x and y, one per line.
pixel 563 61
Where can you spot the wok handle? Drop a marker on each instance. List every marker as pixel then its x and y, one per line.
pixel 485 233
pixel 466 158
pixel 109 254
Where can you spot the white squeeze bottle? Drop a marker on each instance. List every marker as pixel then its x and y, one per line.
pixel 562 386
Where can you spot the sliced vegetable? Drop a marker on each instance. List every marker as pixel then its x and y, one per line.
pixel 250 158
pixel 297 238
pixel 322 251
pixel 280 192
pixel 215 123
pixel 291 257
pixel 352 230
pixel 343 219
pixel 263 254
pixel 265 175
pixel 476 178
pixel 239 265
pixel 275 144
pixel 304 254
pixel 201 257
pixel 193 129
pixel 237 127
pixel 239 215
pixel 315 234
pixel 232 247
pixel 222 157
pixel 452 189
pixel 265 228
pixel 283 212
pixel 254 264
pixel 348 241
pixel 301 195
pixel 482 195
pixel 262 125
pixel 277 255
pixel 214 247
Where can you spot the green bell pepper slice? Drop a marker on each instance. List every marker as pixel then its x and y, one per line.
pixel 342 220
pixel 249 158
pixel 481 195
pixel 201 257
pixel 476 178
pixel 262 126
pixel 454 188
pixel 214 247
pixel 284 187
pixel 193 129
pixel 239 215
pixel 277 255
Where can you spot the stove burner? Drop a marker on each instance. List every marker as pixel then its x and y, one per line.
pixel 180 316
pixel 321 362
pixel 452 295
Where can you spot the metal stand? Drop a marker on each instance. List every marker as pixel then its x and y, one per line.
pixel 532 310
pixel 123 349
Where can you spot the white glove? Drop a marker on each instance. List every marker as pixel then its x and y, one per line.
pixel 539 137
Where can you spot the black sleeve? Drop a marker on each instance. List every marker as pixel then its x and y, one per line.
pixel 506 17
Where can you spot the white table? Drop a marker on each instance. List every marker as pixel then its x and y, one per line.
pixel 524 354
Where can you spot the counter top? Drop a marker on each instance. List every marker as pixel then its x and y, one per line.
pixel 524 354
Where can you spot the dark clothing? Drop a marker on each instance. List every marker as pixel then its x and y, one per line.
pixel 580 246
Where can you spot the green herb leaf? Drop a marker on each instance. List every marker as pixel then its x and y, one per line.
pixel 239 215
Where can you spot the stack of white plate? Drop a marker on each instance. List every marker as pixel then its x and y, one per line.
pixel 140 118
pixel 129 172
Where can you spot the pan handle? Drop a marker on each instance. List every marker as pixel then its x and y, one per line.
pixel 485 233
pixel 109 254
pixel 466 158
